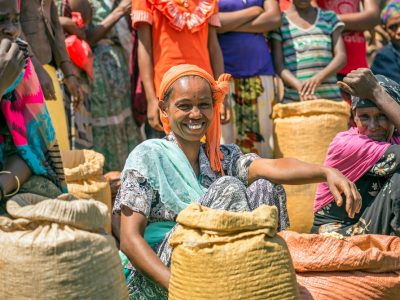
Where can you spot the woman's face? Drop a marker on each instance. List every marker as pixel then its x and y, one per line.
pixel 393 29
pixel 10 27
pixel 189 108
pixel 373 123
pixel 302 4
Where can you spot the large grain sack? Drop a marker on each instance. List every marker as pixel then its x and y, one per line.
pixel 84 176
pixel 358 267
pixel 230 255
pixel 57 249
pixel 304 131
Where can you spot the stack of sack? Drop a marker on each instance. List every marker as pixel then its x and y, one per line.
pixel 230 255
pixel 57 249
pixel 84 177
pixel 345 268
pixel 304 131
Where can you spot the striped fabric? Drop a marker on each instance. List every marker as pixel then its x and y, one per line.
pixel 308 51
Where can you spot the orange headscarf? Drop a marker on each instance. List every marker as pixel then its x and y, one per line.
pixel 219 89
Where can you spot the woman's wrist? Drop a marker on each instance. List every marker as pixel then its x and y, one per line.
pixel 377 93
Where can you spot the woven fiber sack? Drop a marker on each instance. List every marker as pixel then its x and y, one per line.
pixel 356 267
pixel 84 176
pixel 57 249
pixel 304 131
pixel 230 255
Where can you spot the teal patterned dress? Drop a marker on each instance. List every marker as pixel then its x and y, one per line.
pixel 115 133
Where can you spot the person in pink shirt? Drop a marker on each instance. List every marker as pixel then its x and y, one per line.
pixel 356 21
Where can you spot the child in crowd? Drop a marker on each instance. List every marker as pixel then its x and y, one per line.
pixel 308 51
pixel 172 33
pixel 387 60
pixel 252 91
pixel 75 16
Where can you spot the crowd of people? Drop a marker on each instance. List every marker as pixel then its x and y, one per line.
pixel 177 95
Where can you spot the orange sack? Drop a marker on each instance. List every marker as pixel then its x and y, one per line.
pixel 357 267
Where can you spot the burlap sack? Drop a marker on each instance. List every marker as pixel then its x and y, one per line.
pixel 228 255
pixel 357 267
pixel 84 176
pixel 57 249
pixel 304 131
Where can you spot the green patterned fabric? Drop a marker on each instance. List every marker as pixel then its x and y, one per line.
pixel 115 133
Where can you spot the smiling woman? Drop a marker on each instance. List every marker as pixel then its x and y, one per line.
pixel 163 176
pixel 369 155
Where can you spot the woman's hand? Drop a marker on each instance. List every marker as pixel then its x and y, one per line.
pixel 309 86
pixel 360 83
pixel 12 62
pixel 338 185
pixel 75 90
pixel 45 82
pixel 226 111
pixel 125 6
pixel 153 115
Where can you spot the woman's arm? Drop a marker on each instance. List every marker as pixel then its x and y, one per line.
pixel 265 22
pixel 364 20
pixel 214 50
pixel 138 251
pixel 146 67
pixel 362 83
pixel 293 171
pixel 17 166
pixel 232 20
pixel 99 32
pixel 287 76
pixel 70 27
pixel 339 61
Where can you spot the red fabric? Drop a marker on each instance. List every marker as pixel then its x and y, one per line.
pixel 356 47
pixel 284 4
pixel 358 267
pixel 352 154
pixel 173 46
pixel 80 53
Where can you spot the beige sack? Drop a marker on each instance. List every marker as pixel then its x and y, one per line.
pixel 57 249
pixel 304 131
pixel 230 255
pixel 84 176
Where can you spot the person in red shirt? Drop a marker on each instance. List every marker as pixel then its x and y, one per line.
pixel 356 21
pixel 170 33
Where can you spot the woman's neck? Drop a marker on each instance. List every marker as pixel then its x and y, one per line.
pixel 307 14
pixel 191 150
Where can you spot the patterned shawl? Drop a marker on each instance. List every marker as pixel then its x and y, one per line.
pixel 30 126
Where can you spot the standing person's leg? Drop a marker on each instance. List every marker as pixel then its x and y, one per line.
pixel 264 108
pixel 253 98
pixel 57 111
pixel 115 133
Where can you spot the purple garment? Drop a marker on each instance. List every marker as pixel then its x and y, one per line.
pixel 245 54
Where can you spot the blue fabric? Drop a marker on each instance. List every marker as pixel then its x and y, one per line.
pixel 167 170
pixel 387 62
pixel 245 54
pixel 155 232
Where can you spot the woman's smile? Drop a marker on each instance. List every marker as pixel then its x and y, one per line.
pixel 189 108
